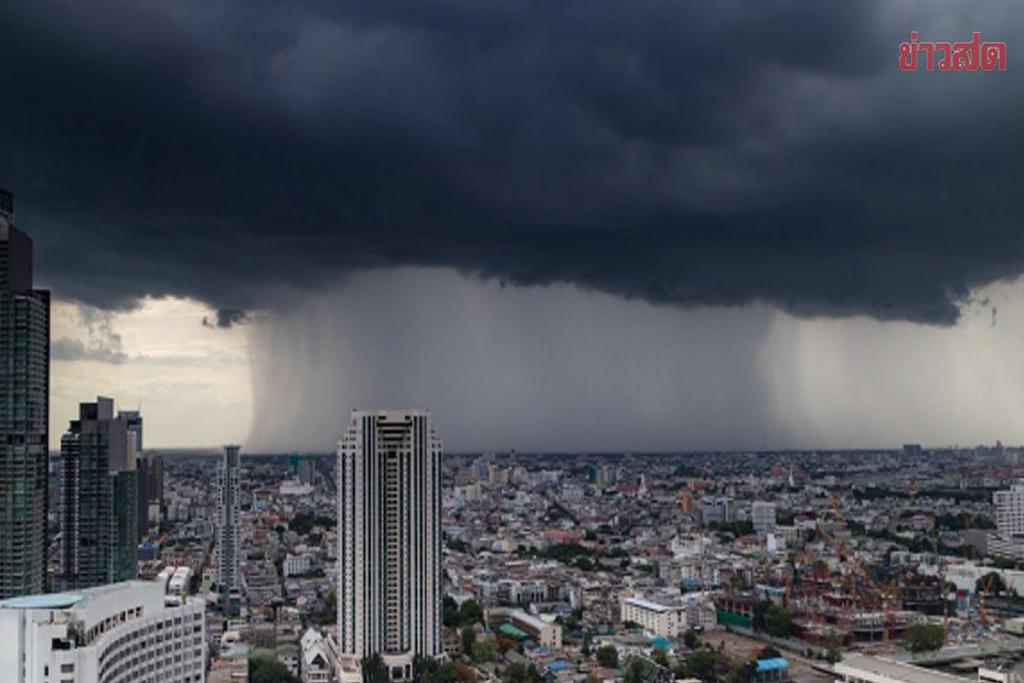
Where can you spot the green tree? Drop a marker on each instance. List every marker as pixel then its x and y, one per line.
pixel 779 622
pixel 264 669
pixel 990 584
pixel 608 656
pixel 924 637
pixel 485 651
pixel 468 641
pixel 772 618
pixel 741 672
pixel 660 656
pixel 374 670
pixel 449 612
pixel 470 613
pixel 834 645
pixel 585 649
pixel 521 673
pixel 704 664
pixel 691 639
pixel 429 670
pixel 640 670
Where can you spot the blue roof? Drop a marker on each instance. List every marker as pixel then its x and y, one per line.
pixel 44 601
pixel 558 665
pixel 662 643
pixel 773 664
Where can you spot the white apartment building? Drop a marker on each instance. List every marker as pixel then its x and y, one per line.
pixel 1010 511
pixel 118 633
pixel 661 620
pixel 296 565
pixel 389 539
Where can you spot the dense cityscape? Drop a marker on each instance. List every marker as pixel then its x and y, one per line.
pixel 435 341
pixel 388 561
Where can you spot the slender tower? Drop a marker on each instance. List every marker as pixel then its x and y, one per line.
pixel 24 413
pixel 228 534
pixel 389 538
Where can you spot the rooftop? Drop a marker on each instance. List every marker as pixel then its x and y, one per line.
pixel 855 665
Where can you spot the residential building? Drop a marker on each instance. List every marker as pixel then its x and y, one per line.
pixel 717 510
pixel 655 618
pixel 389 538
pixel 1009 507
pixel 24 413
pixel 97 505
pixel 295 565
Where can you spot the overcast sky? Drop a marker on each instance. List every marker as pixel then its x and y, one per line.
pixel 593 224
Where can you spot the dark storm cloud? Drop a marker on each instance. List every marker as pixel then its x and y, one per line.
pixel 683 153
pixel 226 318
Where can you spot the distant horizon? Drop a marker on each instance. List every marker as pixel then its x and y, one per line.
pixel 215 450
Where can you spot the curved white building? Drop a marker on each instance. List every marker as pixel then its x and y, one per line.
pixel 110 634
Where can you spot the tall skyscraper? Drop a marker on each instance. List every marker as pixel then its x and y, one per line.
pixel 133 421
pixel 389 538
pixel 24 413
pixel 98 486
pixel 228 527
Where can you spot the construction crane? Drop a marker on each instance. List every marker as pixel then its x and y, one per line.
pixel 982 615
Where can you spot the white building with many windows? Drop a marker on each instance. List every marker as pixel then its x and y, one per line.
pixel 118 633
pixel 656 618
pixel 389 538
pixel 1010 511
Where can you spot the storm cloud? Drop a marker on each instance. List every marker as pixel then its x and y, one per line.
pixel 717 153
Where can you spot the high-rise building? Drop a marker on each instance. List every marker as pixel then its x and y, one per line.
pixel 389 538
pixel 155 487
pixel 133 421
pixel 228 526
pixel 762 516
pixel 108 634
pixel 717 510
pixel 1010 511
pixel 24 413
pixel 98 507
